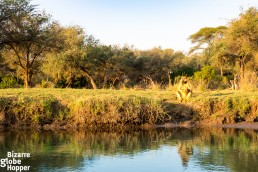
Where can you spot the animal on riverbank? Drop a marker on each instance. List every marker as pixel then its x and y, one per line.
pixel 184 89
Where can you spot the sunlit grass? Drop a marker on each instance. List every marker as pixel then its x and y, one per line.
pixel 39 106
pixel 81 106
pixel 75 93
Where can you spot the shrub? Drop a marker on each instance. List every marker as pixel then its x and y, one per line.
pixel 204 77
pixel 10 82
pixel 46 84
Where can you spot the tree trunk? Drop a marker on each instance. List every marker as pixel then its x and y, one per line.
pixel 242 68
pixel 90 78
pixel 221 71
pixel 169 79
pixel 27 80
pixel 92 82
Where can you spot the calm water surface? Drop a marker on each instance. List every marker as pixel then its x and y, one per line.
pixel 154 150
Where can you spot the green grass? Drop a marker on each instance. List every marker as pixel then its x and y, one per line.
pixel 68 94
pixel 80 107
pixel 102 108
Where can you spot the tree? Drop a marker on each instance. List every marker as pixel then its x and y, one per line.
pixel 118 69
pixel 204 76
pixel 206 40
pixel 205 37
pixel 153 65
pixel 26 35
pixel 241 39
pixel 82 55
pixel 9 11
pixel 219 58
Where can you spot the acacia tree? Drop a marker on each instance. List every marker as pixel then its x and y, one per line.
pixel 26 34
pixel 204 41
pixel 205 37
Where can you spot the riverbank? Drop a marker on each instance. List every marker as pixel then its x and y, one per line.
pixel 76 108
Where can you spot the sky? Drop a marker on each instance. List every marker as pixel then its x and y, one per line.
pixel 144 24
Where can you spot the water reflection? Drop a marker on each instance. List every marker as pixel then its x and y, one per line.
pixel 153 150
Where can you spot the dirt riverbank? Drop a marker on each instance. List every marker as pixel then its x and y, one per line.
pixel 194 124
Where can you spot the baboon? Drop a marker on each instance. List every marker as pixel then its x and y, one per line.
pixel 184 90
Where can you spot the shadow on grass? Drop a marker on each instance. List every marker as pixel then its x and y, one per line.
pixel 221 94
pixel 179 112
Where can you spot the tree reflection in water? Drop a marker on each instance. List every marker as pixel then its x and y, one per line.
pixel 235 150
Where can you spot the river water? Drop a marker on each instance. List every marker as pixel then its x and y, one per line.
pixel 161 150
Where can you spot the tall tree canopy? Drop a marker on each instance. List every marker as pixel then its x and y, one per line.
pixel 81 55
pixel 205 37
pixel 26 34
pixel 241 38
pixel 236 43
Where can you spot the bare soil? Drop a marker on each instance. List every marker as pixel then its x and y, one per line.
pixel 191 124
pixel 242 125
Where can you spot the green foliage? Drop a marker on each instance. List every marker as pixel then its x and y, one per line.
pixel 46 84
pixel 183 71
pixel 205 36
pixel 222 82
pixel 108 66
pixel 32 44
pixel 205 76
pixel 242 107
pixel 241 41
pixel 33 111
pixel 10 82
pixel 113 111
pixel 233 48
pixel 96 108
pixel 86 108
pixel 26 34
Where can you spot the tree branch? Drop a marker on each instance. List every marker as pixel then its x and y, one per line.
pixel 19 57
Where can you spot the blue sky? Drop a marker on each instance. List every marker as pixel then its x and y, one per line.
pixel 144 23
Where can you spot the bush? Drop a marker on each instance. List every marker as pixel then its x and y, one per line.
pixel 10 82
pixel 204 77
pixel 182 71
pixel 45 84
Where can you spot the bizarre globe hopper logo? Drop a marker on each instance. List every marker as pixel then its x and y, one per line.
pixel 13 162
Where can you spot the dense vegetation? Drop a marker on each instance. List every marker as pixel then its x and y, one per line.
pixel 36 51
